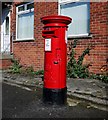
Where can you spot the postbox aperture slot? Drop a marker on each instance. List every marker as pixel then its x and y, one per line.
pixel 47 33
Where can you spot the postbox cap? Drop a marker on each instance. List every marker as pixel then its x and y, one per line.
pixel 56 19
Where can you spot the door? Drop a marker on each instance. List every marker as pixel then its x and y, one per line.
pixel 5 31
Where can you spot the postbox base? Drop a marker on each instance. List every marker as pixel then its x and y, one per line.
pixel 55 96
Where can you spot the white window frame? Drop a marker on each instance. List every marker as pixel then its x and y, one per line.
pixel 62 2
pixel 19 13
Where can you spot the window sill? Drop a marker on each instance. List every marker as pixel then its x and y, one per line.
pixel 24 40
pixel 80 36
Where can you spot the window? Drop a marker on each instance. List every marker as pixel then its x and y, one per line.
pixel 7 26
pixel 79 12
pixel 25 21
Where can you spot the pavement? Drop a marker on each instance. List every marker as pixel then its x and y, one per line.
pixel 21 103
pixel 91 90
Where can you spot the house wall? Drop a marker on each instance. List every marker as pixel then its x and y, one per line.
pixel 98 57
pixel 5 63
pixel 31 53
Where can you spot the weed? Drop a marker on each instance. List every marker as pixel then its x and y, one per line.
pixel 39 72
pixel 76 69
pixel 16 67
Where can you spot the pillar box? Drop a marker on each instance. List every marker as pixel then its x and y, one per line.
pixel 55 47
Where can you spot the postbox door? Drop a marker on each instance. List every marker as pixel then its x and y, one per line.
pixel 56 62
pixel 52 68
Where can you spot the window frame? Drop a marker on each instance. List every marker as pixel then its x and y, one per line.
pixel 60 2
pixel 19 13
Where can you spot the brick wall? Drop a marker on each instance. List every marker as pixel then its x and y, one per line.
pixel 98 57
pixel 32 53
pixel 5 63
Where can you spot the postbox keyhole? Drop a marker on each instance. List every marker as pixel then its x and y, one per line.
pixel 58 53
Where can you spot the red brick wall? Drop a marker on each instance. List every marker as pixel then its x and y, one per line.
pixel 98 28
pixel 32 53
pixel 5 63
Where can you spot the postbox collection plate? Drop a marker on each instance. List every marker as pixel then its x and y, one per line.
pixel 48 44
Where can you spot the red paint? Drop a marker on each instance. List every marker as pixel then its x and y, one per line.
pixel 55 28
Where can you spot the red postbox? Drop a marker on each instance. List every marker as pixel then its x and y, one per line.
pixel 55 46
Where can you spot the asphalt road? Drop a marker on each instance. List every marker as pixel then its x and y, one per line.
pixel 20 103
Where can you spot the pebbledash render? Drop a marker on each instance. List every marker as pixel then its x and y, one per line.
pixel 90 27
